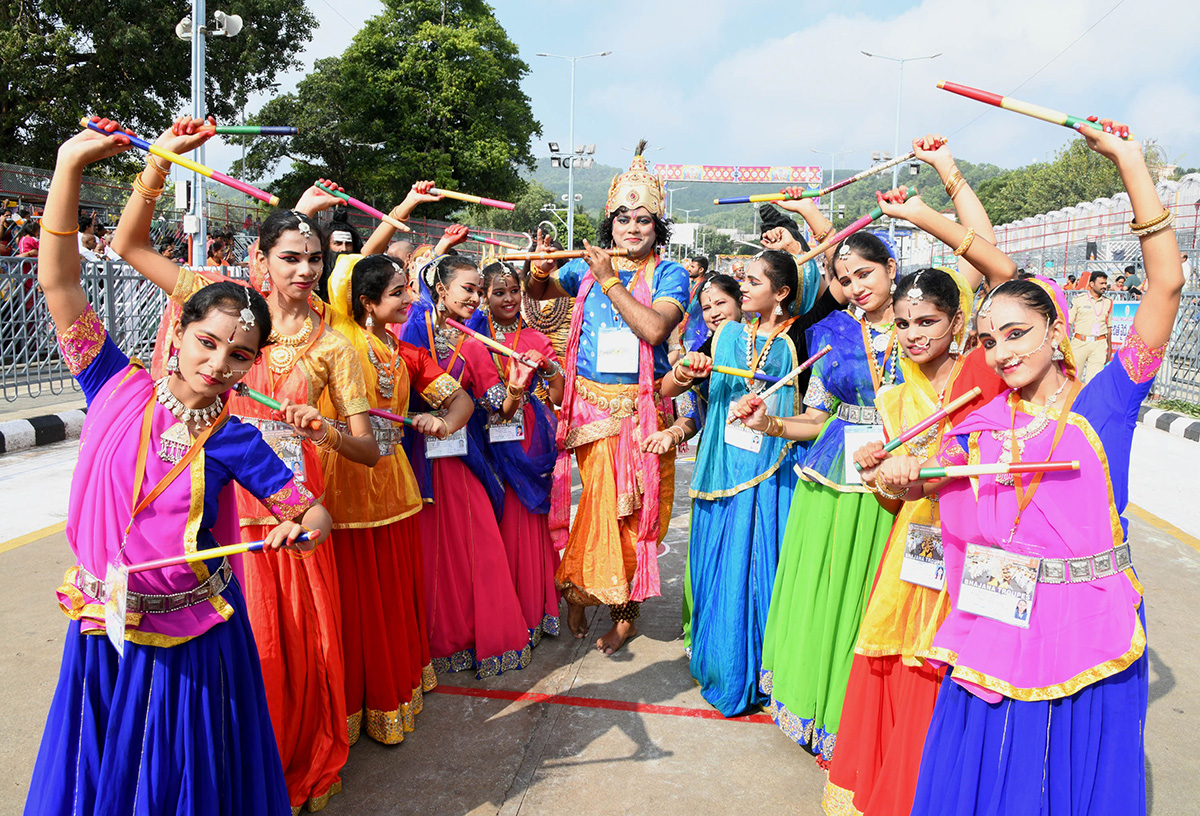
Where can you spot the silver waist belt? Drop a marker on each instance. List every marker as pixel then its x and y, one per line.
pixel 1087 568
pixel 858 414
pixel 158 604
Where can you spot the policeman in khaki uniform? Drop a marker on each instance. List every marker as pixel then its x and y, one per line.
pixel 1091 327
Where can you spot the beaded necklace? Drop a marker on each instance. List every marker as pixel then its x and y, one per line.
pixel 883 342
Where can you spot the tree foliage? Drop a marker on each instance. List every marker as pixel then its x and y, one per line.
pixel 62 59
pixel 426 90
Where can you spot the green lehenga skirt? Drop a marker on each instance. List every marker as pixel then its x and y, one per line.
pixel 830 551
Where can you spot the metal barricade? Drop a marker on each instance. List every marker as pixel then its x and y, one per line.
pixel 1179 377
pixel 30 362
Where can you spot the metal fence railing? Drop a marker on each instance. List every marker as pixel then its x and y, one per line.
pixel 131 307
pixel 30 363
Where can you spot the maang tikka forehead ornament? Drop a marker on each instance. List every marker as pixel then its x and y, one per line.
pixel 245 316
pixel 914 294
pixel 636 187
pixel 304 227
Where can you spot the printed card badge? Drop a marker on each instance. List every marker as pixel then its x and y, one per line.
pixel 116 589
pixel 510 430
pixel 287 445
pixel 924 563
pixel 617 352
pixel 453 445
pixel 855 437
pixel 739 436
pixel 998 584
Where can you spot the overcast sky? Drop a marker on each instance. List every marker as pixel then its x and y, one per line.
pixel 768 81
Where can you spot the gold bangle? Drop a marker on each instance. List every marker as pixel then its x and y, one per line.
pixel 955 176
pixel 538 274
pixel 774 426
pixel 958 185
pixel 681 383
pixel 150 162
pixel 966 244
pixel 148 194
pixel 517 394
pixel 56 232
pixel 823 234
pixel 682 434
pixel 445 427
pixel 1159 227
pixel 1156 220
pixel 885 493
pixel 609 284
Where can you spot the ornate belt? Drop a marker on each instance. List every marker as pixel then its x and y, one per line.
pixel 1087 568
pixel 858 414
pixel 618 399
pixel 159 604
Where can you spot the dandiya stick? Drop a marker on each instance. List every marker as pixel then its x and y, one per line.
pixel 472 199
pixel 791 375
pixel 490 343
pixel 379 412
pixel 562 254
pixel 929 421
pixel 183 161
pixel 870 171
pixel 249 130
pixel 738 372
pixel 204 555
pixel 364 207
pixel 850 229
pixel 1017 106
pixel 495 242
pixel 243 390
pixel 985 470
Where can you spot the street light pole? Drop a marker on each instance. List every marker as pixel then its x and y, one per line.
pixel 899 103
pixel 200 238
pixel 571 146
pixel 833 157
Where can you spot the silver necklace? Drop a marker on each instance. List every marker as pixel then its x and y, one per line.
pixel 201 416
pixel 387 382
pixel 443 342
pixel 501 331
pixel 1007 438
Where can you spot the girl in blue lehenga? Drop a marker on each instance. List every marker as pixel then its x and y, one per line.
pixel 743 482
pixel 177 722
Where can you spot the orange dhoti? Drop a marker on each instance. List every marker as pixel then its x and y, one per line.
pixel 600 558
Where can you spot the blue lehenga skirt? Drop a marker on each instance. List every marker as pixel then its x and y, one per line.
pixel 162 730
pixel 1082 755
pixel 733 554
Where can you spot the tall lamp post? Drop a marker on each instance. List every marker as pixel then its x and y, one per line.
pixel 571 143
pixel 193 29
pixel 833 157
pixel 899 101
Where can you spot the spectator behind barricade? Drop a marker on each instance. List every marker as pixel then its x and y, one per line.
pixel 1190 278
pixel 1071 283
pixel 27 239
pixel 1133 282
pixel 216 253
pixel 6 244
pixel 401 250
pixel 1118 285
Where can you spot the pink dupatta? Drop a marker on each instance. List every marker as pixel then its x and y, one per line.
pixel 637 472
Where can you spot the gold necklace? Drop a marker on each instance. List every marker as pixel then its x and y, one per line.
pixel 285 350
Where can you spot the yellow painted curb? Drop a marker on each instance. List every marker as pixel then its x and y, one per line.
pixel 1164 526
pixel 29 538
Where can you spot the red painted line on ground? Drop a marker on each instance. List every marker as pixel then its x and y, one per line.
pixel 590 702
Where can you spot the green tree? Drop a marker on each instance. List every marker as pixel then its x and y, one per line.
pixel 715 243
pixel 426 90
pixel 62 59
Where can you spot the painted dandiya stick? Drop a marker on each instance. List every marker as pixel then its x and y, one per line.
pixel 204 555
pixel 379 412
pixel 738 372
pixel 870 171
pixel 243 390
pixel 249 130
pixel 490 343
pixel 494 242
pixel 364 207
pixel 787 378
pixel 472 199
pixel 562 254
pixel 951 471
pixel 849 229
pixel 183 161
pixel 1017 106
pixel 929 421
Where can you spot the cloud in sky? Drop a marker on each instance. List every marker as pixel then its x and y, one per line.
pixel 766 81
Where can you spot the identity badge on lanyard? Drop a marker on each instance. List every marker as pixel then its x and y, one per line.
pixel 739 436
pixel 617 351
pixel 924 561
pixel 116 589
pixel 453 445
pixel 506 430
pixel 998 584
pixel 853 438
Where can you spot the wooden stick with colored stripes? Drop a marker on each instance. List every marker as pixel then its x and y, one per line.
pixel 204 555
pixel 1017 106
pixel 951 471
pixel 929 421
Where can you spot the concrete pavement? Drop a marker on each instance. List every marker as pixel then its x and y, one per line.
pixel 578 732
